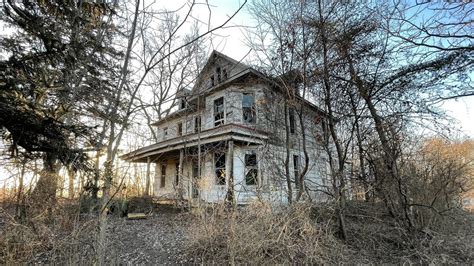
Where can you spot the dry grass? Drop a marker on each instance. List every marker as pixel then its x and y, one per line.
pixel 259 234
pixel 66 239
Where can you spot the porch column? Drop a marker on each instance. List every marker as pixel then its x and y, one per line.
pixel 229 172
pixel 147 182
pixel 180 172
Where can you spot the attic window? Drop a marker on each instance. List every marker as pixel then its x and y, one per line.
pixel 225 73
pixel 211 81
pixel 165 132
pixel 182 104
pixel 218 71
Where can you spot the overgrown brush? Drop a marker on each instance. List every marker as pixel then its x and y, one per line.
pixel 304 233
pixel 66 239
pixel 259 234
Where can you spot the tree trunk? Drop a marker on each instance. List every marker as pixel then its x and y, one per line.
pixel 44 194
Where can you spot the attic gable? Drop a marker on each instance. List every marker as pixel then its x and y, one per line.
pixel 217 69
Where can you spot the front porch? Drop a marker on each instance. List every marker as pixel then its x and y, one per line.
pixel 203 166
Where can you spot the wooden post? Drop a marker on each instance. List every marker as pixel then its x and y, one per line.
pixel 147 181
pixel 180 171
pixel 229 169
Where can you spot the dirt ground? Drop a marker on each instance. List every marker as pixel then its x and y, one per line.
pixel 160 239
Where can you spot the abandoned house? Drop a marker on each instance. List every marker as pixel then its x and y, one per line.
pixel 237 134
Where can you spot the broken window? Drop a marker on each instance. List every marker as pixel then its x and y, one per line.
pixel 176 180
pixel 296 169
pixel 163 175
pixel 248 108
pixel 219 111
pixel 291 113
pixel 197 124
pixel 219 160
pixel 180 129
pixel 251 170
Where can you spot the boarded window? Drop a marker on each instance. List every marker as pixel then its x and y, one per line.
pixel 197 124
pixel 163 176
pixel 248 108
pixel 291 113
pixel 296 169
pixel 180 129
pixel 219 159
pixel 251 169
pixel 219 111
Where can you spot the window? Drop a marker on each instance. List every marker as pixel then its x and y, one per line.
pixel 225 73
pixel 197 124
pixel 176 179
pixel 163 175
pixel 296 169
pixel 251 171
pixel 165 132
pixel 291 113
pixel 219 160
pixel 218 71
pixel 182 104
pixel 248 108
pixel 180 129
pixel 219 111
pixel 211 81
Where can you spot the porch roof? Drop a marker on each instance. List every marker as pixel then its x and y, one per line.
pixel 222 133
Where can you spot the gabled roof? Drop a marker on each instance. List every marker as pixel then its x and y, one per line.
pixel 203 74
pixel 201 89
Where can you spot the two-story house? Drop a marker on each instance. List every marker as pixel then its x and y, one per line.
pixel 237 133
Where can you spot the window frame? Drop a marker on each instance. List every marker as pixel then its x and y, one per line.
pixel 248 168
pixel 179 130
pixel 221 121
pixel 221 179
pixel 197 126
pixel 165 132
pixel 253 108
pixel 296 170
pixel 292 120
